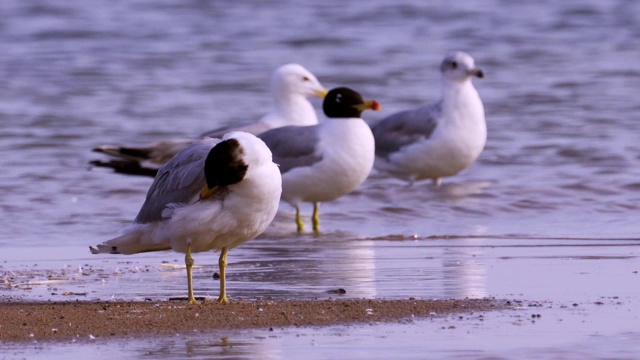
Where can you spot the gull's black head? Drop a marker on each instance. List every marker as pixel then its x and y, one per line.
pixel 224 164
pixel 343 102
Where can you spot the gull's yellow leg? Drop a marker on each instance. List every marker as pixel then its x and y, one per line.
pixel 299 221
pixel 315 218
pixel 222 262
pixel 188 261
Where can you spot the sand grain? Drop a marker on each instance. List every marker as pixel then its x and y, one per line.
pixel 20 321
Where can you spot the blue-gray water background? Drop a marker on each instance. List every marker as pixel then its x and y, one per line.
pixel 562 157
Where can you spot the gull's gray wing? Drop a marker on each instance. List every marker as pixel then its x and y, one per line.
pixel 405 127
pixel 252 128
pixel 293 146
pixel 178 182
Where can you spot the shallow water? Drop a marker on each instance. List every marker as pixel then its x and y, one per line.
pixel 557 187
pixel 581 291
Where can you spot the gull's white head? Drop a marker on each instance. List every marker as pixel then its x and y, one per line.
pixel 254 151
pixel 294 79
pixel 459 66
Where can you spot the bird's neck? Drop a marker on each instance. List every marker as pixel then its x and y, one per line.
pixel 460 95
pixel 343 129
pixel 293 110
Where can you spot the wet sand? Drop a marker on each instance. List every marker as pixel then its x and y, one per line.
pixel 29 321
pixel 573 297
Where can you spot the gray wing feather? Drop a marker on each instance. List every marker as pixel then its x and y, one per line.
pixel 293 146
pixel 406 127
pixel 177 182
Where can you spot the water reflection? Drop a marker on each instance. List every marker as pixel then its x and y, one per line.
pixel 463 270
pixel 364 268
pixel 305 268
pixel 279 268
pixel 210 346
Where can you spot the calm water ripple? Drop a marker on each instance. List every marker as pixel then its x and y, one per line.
pixel 560 98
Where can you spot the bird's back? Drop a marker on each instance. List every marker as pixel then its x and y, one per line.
pixel 177 182
pixel 405 127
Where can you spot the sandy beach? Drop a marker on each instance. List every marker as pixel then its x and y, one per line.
pixel 572 296
pixel 87 320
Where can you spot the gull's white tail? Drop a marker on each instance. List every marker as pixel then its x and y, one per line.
pixel 130 243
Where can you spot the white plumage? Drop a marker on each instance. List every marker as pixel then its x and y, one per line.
pixel 326 161
pixel 291 86
pixel 215 194
pixel 441 138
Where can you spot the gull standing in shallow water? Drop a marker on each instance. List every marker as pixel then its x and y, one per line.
pixel 291 85
pixel 441 138
pixel 325 161
pixel 215 194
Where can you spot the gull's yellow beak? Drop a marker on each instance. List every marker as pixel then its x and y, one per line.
pixel 321 93
pixel 207 193
pixel 368 105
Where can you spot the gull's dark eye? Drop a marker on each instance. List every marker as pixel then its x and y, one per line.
pixel 454 64
pixel 306 79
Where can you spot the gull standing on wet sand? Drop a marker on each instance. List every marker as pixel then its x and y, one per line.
pixel 326 161
pixel 214 195
pixel 291 85
pixel 439 139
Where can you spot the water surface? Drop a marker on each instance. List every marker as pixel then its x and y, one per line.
pixel 549 212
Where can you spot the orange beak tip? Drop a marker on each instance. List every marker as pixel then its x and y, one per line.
pixel 375 106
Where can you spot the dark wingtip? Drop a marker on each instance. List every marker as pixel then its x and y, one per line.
pixel 125 167
pixel 93 250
